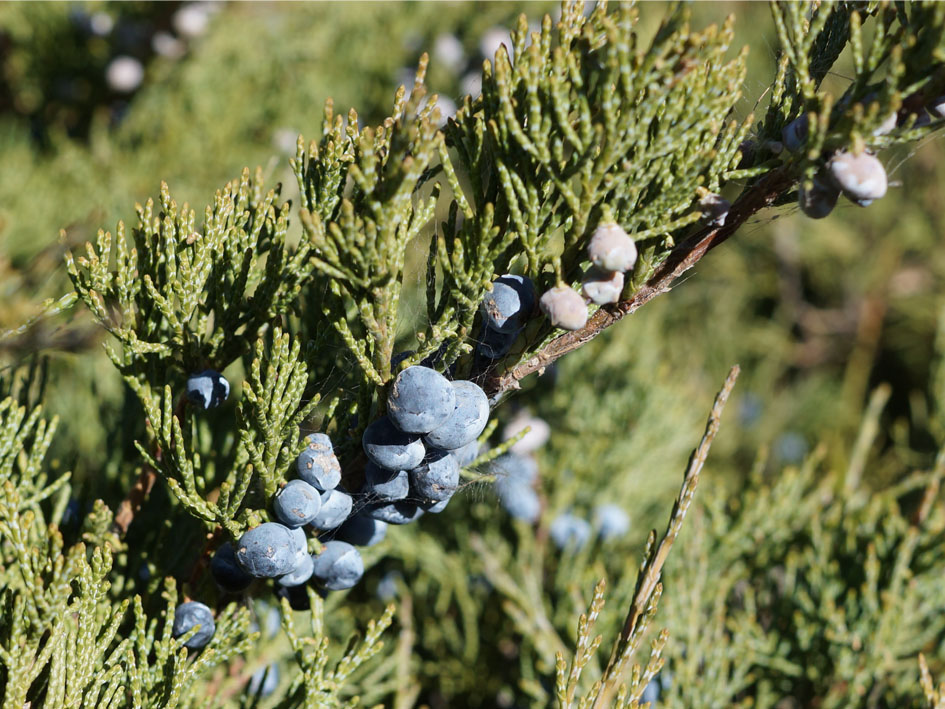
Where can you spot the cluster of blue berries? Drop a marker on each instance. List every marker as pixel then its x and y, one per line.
pixel 416 451
pixel 505 311
pixel 279 550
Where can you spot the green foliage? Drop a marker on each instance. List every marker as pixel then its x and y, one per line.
pixel 792 582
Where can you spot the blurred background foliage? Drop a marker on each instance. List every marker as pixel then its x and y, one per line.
pixel 818 314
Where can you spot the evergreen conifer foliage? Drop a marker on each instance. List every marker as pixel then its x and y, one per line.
pixel 580 123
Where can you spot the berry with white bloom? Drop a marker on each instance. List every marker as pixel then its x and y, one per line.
pixel 124 74
pixel 564 307
pixel 602 287
pixel 336 506
pixel 611 248
pixel 861 178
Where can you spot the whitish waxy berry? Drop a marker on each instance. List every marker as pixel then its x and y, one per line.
pixel 437 478
pixel 300 574
pixel 818 201
pixel 495 345
pixel 861 178
pixel 207 389
pixel 387 446
pixel 568 531
pixel 420 399
pixel 468 420
pixel 611 521
pixel 518 498
pixel 362 531
pixel 611 248
pixel 264 681
pixel 714 209
pixel 538 433
pixel 602 287
pixel 336 506
pixel 189 615
pixel 506 308
pixel 564 307
pixel 400 512
pixel 267 551
pixel 382 485
pixel 467 454
pixel 338 567
pixel 794 134
pixel 297 503
pixel 317 464
pixel 227 572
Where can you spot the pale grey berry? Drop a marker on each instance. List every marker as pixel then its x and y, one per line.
pixel 602 287
pixel 564 307
pixel 937 107
pixel 611 248
pixel 861 178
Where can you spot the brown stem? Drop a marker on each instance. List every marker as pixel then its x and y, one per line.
pixel 680 260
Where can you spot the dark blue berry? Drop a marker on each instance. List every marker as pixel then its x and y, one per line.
pixel 437 478
pixel 297 503
pixel 468 420
pixel 506 308
pixel 188 615
pixel 207 389
pixel 339 566
pixel 336 506
pixel 362 530
pixel 385 445
pixel 419 400
pixel 226 570
pixel 395 512
pixel 267 551
pixel 317 464
pixel 382 485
